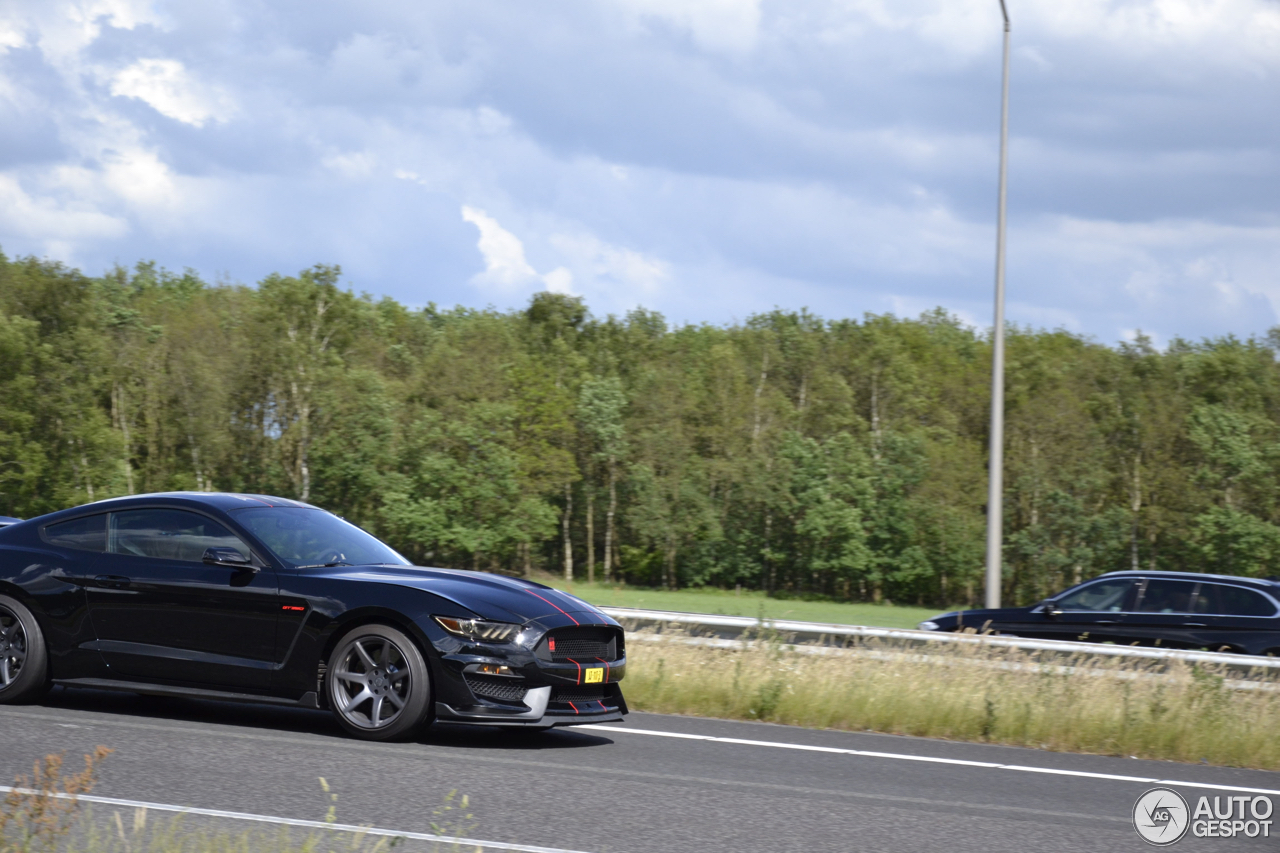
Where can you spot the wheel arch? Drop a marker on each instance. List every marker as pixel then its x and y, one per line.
pixel 376 615
pixel 29 601
pixel 13 590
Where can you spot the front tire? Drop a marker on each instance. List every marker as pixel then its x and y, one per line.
pixel 378 684
pixel 24 662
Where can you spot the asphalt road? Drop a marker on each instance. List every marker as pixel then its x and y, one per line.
pixel 608 791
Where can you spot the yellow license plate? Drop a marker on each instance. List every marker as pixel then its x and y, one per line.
pixel 595 675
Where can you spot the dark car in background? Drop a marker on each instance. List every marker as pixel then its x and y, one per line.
pixel 1179 610
pixel 263 599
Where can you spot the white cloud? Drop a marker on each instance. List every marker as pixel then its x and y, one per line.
pixel 609 274
pixel 505 267
pixel 170 90
pixel 612 272
pixel 41 217
pixel 358 164
pixel 63 29
pixel 559 280
pixel 10 36
pixel 707 158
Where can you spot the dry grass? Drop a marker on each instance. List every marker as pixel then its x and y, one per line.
pixel 45 814
pixel 1094 704
pixel 41 809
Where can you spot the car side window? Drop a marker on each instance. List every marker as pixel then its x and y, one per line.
pixel 88 533
pixel 1167 596
pixel 1224 600
pixel 168 534
pixel 1108 596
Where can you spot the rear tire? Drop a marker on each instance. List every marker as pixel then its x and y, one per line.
pixel 24 661
pixel 378 685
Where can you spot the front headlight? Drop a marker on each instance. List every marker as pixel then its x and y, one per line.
pixel 479 629
pixel 929 625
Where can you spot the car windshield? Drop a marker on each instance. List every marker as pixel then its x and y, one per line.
pixel 310 538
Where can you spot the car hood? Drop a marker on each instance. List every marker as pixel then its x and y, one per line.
pixel 496 597
pixel 978 618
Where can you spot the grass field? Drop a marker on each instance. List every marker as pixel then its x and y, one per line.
pixel 973 693
pixel 753 604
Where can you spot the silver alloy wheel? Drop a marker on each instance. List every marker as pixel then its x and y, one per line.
pixel 13 647
pixel 371 682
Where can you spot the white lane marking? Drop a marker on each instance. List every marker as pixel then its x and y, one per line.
pixel 305 824
pixel 929 759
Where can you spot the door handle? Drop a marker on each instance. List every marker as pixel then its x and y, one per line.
pixel 1195 625
pixel 113 581
pixel 1106 622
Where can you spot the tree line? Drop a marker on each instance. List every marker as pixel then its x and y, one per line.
pixel 800 456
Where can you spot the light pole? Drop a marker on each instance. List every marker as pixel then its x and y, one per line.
pixel 995 464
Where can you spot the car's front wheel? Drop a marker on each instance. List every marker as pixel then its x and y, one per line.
pixel 23 662
pixel 378 684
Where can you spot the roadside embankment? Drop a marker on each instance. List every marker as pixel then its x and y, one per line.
pixel 1171 709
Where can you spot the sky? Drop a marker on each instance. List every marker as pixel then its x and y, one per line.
pixel 709 159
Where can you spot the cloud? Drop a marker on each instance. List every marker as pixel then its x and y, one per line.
pixel 559 280
pixel 505 267
pixel 611 277
pixel 506 270
pixel 730 25
pixel 170 90
pixel 706 158
pixel 613 274
pixel 41 217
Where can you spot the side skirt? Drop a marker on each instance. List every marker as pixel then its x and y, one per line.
pixel 307 700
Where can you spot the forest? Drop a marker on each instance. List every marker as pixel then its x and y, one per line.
pixel 802 456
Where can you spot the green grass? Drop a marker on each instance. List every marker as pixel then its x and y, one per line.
pixel 971 693
pixel 753 604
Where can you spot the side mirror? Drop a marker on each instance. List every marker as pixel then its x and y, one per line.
pixel 1052 610
pixel 230 558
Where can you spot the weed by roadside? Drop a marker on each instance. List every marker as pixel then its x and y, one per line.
pixel 44 813
pixel 41 808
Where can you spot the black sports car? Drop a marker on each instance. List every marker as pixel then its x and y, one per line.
pixel 264 599
pixel 1177 610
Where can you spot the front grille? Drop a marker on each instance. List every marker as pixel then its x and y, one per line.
pixel 581 693
pixel 580 644
pixel 496 687
pixel 580 650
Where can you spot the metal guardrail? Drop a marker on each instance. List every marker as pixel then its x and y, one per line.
pixel 825 634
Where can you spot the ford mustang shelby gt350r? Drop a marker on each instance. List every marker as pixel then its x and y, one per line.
pixel 264 599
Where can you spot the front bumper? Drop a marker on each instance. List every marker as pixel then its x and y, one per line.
pixel 536 713
pixel 541 691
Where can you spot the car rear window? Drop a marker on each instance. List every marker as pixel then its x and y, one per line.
pixel 1226 600
pixel 88 533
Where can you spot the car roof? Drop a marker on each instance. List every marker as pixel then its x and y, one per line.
pixel 223 501
pixel 1259 583
pixel 231 500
